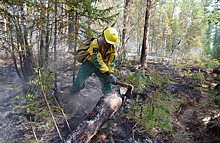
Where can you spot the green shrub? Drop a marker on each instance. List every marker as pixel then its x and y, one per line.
pixel 39 102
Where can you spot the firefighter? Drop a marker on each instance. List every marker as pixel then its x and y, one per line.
pixel 100 61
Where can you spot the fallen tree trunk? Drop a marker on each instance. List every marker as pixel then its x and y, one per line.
pixel 104 109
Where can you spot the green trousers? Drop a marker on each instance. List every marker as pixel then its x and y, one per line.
pixel 85 71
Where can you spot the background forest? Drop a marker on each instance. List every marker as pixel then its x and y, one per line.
pixel 34 31
pixel 40 36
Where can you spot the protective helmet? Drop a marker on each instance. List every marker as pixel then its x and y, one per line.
pixel 111 35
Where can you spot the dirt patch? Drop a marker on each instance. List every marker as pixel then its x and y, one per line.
pixel 10 86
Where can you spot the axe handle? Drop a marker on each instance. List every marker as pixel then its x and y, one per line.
pixel 123 84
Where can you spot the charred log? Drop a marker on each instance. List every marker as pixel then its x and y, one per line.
pixel 104 109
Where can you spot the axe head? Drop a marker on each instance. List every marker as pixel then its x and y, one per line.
pixel 128 86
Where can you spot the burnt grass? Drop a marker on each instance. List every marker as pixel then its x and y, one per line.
pixel 188 125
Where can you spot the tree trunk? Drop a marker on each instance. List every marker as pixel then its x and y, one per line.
pixel 89 24
pixel 75 43
pixel 146 34
pixel 70 29
pixel 124 31
pixel 14 59
pixel 47 44
pixel 41 52
pixel 26 55
pixel 18 36
pixel 55 48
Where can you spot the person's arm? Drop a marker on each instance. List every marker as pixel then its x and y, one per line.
pixel 111 61
pixel 111 65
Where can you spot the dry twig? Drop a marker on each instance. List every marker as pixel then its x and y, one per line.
pixel 51 113
pixel 63 114
pixel 133 127
pixel 35 134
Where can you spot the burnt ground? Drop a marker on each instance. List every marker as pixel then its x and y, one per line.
pixel 196 120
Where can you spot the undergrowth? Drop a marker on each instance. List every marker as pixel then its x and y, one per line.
pixel 39 105
pixel 212 95
pixel 155 113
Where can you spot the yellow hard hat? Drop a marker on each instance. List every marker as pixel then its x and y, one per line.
pixel 111 35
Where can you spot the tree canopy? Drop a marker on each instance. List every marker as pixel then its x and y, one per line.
pixel 177 28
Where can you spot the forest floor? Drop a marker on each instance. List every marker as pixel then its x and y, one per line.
pixel 195 118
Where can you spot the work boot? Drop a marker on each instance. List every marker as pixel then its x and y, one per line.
pixel 63 95
pixel 76 89
pixel 60 97
pixel 106 95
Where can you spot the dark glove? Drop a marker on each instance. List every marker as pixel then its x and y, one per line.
pixel 112 79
